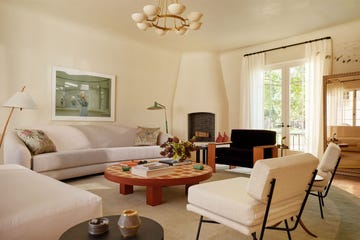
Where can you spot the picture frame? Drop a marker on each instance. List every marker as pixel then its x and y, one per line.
pixel 81 95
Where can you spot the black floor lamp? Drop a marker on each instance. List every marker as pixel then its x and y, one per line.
pixel 159 106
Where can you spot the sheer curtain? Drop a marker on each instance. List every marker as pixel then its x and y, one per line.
pixel 335 113
pixel 251 91
pixel 318 64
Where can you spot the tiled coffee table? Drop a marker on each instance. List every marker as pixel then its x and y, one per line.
pixel 182 175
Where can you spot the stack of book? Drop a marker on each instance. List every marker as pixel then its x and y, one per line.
pixel 173 162
pixel 152 169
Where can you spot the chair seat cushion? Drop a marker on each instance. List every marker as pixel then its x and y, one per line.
pixel 230 199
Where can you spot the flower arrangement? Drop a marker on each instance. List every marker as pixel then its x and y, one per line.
pixel 178 149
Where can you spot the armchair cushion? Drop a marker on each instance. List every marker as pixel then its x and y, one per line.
pixel 330 157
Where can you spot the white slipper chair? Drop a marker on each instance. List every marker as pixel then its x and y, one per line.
pixel 326 172
pixel 277 190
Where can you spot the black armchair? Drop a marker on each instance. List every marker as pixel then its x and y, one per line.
pixel 246 147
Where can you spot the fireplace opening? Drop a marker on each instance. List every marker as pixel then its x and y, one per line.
pixel 202 126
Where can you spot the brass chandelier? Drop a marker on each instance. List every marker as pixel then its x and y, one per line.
pixel 165 17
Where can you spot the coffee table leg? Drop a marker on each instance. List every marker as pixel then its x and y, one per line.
pixel 153 195
pixel 126 189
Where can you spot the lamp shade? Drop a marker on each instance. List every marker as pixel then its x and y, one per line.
pixel 20 100
pixel 156 106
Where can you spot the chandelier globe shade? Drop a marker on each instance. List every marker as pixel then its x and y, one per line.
pixel 160 32
pixel 138 17
pixel 176 8
pixel 194 16
pixel 181 31
pixel 166 16
pixel 143 26
pixel 151 10
pixel 195 25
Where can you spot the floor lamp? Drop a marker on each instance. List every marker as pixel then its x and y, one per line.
pixel 159 106
pixel 19 100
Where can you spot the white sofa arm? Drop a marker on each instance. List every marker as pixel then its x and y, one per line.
pixel 15 151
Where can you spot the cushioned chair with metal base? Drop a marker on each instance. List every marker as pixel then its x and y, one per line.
pixel 326 173
pixel 276 191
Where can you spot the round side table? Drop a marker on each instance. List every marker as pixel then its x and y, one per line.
pixel 149 230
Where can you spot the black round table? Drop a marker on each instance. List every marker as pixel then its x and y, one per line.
pixel 149 230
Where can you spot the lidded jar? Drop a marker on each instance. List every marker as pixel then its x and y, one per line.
pixel 129 223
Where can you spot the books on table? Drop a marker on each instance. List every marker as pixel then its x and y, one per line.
pixel 173 162
pixel 152 169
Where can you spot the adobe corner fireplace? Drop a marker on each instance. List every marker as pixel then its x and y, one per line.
pixel 202 126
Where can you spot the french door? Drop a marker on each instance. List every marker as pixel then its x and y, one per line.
pixel 284 103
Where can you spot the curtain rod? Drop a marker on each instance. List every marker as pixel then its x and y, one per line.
pixel 290 45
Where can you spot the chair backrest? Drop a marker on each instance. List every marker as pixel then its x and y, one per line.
pixel 330 158
pixel 292 173
pixel 248 138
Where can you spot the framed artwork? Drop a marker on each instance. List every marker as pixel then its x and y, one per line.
pixel 82 96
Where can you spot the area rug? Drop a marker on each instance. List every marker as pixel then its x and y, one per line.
pixel 342 212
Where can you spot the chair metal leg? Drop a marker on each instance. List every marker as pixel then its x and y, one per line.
pixel 199 228
pixel 254 235
pixel 320 204
pixel 287 229
pixel 322 199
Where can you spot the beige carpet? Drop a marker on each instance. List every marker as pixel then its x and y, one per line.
pixel 342 212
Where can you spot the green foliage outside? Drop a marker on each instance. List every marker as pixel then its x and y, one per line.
pixel 273 100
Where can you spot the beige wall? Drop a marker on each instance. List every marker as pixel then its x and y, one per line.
pixel 30 44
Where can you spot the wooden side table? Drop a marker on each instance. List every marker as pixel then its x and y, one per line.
pixel 149 230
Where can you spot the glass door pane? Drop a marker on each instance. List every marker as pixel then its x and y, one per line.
pixel 296 121
pixel 273 102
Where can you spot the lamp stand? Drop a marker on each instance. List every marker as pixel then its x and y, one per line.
pixel 166 122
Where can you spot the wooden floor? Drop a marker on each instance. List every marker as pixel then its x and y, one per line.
pixel 350 184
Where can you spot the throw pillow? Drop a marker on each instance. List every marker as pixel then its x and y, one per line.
pixel 146 136
pixel 36 140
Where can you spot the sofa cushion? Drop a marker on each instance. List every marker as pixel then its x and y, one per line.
pixel 84 157
pixel 36 140
pixel 146 136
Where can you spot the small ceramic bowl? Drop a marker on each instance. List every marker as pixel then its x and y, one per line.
pixel 198 167
pixel 126 168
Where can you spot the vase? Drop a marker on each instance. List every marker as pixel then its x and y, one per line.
pixel 129 223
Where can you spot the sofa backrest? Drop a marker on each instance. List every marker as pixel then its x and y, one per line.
pixel 73 137
pixel 292 174
pixel 248 138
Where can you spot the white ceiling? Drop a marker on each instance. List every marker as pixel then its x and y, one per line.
pixel 227 24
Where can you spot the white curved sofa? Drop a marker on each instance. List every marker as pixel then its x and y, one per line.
pixel 34 206
pixel 80 149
